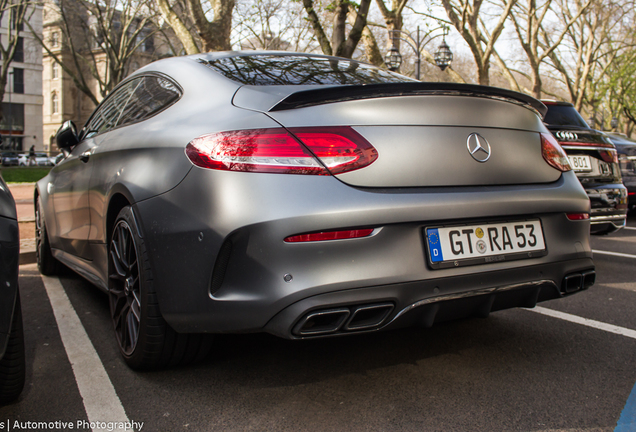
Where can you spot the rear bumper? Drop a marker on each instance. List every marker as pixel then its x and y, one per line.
pixel 220 263
pixel 609 204
pixel 424 303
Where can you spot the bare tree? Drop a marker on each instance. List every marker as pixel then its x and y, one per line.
pixel 11 44
pixel 99 39
pixel 465 17
pixel 190 22
pixel 272 25
pixel 588 47
pixel 529 20
pixel 342 44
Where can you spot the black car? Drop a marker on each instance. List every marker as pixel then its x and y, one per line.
pixel 594 159
pixel 11 337
pixel 626 149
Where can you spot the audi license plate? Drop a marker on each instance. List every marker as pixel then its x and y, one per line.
pixel 580 163
pixel 456 246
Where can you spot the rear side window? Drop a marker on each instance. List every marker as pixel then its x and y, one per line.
pixel 106 116
pixel 299 70
pixel 564 115
pixel 152 95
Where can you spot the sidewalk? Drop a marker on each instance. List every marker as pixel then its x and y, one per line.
pixel 23 195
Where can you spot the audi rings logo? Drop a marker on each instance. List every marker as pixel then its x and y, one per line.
pixel 478 147
pixel 566 136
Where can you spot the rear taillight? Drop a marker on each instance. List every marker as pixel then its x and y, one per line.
pixel 578 216
pixel 340 148
pixel 313 151
pixel 553 153
pixel 609 156
pixel 329 235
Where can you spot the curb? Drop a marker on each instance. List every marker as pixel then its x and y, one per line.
pixel 27 257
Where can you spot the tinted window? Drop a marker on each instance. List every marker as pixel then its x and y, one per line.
pixel 106 116
pixel 564 115
pixel 153 94
pixel 299 70
pixel 18 80
pixel 19 51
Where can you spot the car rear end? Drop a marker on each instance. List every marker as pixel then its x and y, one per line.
pixel 594 158
pixel 357 208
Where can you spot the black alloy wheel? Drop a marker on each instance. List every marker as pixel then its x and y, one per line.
pixel 145 340
pixel 125 292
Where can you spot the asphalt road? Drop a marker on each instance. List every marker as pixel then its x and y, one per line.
pixel 517 370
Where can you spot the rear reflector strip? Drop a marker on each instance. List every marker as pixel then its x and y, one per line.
pixel 578 216
pixel 329 235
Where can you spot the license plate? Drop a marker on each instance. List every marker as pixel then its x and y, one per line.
pixel 456 246
pixel 580 163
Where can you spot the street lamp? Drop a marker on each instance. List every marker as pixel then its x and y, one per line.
pixel 393 59
pixel 443 55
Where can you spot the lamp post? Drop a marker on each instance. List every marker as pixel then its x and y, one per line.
pixel 11 77
pixel 443 55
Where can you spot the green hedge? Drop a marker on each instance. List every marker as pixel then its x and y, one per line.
pixel 23 174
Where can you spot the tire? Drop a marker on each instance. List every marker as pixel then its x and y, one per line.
pixel 145 340
pixel 12 365
pixel 47 264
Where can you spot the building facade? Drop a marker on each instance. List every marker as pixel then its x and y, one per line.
pixel 21 126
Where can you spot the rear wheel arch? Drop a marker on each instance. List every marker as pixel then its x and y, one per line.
pixel 117 202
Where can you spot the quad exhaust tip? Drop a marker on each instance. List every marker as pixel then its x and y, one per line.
pixel 578 281
pixel 345 319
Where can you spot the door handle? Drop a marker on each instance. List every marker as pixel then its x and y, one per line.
pixel 84 157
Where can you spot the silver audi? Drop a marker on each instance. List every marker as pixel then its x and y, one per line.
pixel 308 196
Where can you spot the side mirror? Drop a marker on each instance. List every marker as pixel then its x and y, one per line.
pixel 66 137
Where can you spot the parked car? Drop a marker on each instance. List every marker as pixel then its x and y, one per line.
pixel 308 196
pixel 10 159
pixel 12 360
pixel 593 157
pixel 40 159
pixel 626 148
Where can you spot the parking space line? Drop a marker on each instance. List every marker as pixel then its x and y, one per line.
pixel 586 322
pixel 600 252
pixel 98 394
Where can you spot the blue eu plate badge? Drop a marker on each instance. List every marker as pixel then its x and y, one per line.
pixel 434 245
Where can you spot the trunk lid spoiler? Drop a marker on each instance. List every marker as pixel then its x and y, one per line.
pixel 280 98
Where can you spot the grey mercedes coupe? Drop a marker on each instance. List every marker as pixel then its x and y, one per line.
pixel 308 196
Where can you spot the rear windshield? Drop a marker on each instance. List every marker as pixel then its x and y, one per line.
pixel 564 115
pixel 266 70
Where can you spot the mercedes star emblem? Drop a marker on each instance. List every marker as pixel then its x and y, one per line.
pixel 478 147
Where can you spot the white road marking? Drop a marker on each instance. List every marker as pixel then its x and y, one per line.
pixel 600 252
pixel 100 399
pixel 586 322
